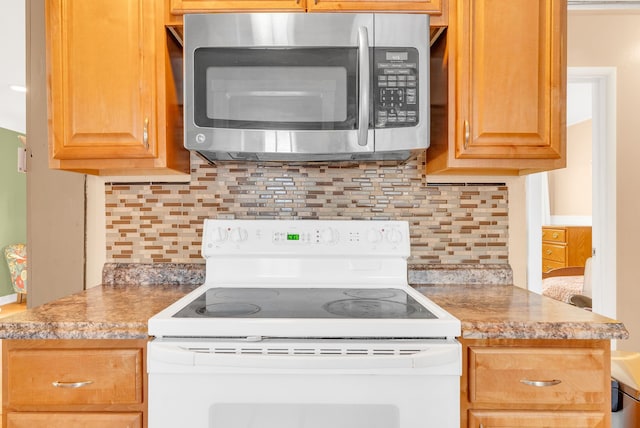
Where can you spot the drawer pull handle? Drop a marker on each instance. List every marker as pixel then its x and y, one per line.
pixel 549 252
pixel 71 384
pixel 555 234
pixel 541 383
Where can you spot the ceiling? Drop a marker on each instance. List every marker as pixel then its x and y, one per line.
pixel 12 72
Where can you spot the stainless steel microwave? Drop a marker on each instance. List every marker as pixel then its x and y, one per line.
pixel 306 86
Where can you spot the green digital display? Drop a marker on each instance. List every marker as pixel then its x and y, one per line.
pixel 293 237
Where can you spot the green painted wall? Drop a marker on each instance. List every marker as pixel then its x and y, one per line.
pixel 13 202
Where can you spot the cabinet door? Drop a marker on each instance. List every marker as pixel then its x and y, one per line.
pixel 428 6
pixel 194 6
pixel 533 419
pixel 101 71
pixel 511 77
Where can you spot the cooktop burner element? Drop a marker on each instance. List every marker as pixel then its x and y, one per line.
pixel 368 308
pixel 305 303
pixel 368 293
pixel 228 309
pixel 257 294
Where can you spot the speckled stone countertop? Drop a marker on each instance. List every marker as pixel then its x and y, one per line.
pixel 509 312
pixel 480 297
pixel 486 311
pixel 103 312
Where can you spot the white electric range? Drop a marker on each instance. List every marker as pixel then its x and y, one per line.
pixel 304 324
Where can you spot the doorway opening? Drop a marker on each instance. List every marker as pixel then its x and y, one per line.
pixel 600 82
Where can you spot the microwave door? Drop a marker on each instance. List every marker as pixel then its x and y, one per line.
pixel 298 95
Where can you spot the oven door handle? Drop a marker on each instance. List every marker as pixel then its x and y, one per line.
pixel 174 354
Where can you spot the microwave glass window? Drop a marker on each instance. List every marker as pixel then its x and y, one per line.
pixel 277 94
pixel 276 88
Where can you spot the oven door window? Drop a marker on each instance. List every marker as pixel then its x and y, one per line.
pixel 276 88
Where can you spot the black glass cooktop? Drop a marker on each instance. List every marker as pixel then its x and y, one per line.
pixel 361 303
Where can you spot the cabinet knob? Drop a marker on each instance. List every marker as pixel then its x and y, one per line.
pixel 555 234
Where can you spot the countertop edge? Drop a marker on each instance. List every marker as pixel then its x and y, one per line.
pixel 541 330
pixel 70 330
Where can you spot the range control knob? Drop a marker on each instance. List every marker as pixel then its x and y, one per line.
pixel 374 236
pixel 394 236
pixel 219 235
pixel 329 236
pixel 239 234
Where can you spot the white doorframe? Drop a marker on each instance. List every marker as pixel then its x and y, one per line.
pixel 603 84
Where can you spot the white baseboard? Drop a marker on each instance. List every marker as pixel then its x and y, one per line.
pixel 9 298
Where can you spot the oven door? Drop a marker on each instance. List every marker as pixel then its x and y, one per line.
pixel 299 384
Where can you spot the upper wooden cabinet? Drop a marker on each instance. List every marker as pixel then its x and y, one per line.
pixel 434 7
pixel 428 6
pixel 499 84
pixel 109 94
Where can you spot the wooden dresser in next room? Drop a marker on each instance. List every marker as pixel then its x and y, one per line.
pixel 564 246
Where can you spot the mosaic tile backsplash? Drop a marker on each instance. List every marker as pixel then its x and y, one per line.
pixel 451 223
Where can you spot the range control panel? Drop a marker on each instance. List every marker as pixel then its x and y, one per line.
pixel 395 87
pixel 306 237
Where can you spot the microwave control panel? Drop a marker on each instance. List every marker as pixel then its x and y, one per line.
pixel 395 87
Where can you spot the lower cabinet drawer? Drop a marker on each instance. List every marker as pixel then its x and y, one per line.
pixel 71 376
pixel 533 419
pixel 74 420
pixel 526 376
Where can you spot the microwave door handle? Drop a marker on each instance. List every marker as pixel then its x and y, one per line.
pixel 363 64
